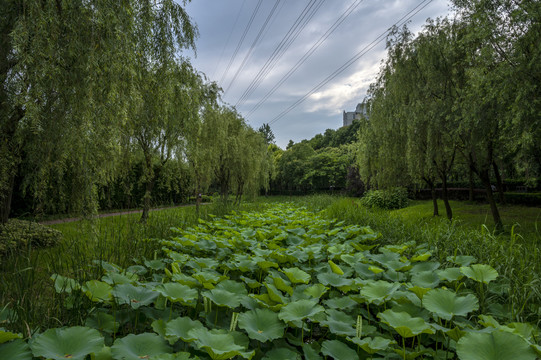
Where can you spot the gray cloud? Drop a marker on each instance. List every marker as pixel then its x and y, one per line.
pixel 322 110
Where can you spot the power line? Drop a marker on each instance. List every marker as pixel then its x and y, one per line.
pixel 293 33
pixel 351 61
pixel 254 43
pixel 228 38
pixel 305 57
pixel 241 40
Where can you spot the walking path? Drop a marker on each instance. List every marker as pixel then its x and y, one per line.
pixel 66 220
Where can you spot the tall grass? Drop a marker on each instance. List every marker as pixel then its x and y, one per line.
pixel 517 258
pixel 28 300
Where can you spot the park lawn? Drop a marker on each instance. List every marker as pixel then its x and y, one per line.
pixel 475 215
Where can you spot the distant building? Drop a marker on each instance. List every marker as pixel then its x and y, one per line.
pixel 360 111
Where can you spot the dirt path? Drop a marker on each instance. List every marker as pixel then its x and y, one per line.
pixel 66 220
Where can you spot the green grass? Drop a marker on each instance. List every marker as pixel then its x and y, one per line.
pixel 475 215
pixel 25 284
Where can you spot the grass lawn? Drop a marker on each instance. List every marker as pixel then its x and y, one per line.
pixel 474 215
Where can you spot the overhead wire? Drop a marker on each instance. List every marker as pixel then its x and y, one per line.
pixel 351 61
pixel 252 17
pixel 306 55
pixel 292 34
pixel 254 43
pixel 228 38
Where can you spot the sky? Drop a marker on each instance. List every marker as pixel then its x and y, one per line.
pixel 300 63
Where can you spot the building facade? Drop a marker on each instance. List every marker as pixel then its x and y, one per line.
pixel 360 111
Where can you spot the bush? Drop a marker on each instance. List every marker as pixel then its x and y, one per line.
pixel 395 198
pixel 16 234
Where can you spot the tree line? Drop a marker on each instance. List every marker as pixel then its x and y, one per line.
pixel 98 105
pixel 461 99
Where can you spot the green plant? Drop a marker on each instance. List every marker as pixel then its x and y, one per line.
pixel 19 234
pixel 394 198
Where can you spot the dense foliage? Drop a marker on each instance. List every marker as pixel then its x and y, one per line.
pixel 286 283
pixel 18 234
pixel 100 109
pixel 394 198
pixel 458 101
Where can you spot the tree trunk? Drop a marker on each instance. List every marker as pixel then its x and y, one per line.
pixel 430 183
pixel 147 201
pixel 471 197
pixel 485 178
pixel 499 182
pixel 5 208
pixel 445 197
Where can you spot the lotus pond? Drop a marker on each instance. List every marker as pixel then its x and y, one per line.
pixel 285 283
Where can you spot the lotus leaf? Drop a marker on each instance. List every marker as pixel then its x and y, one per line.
pixel 280 284
pixel 461 260
pixel 316 291
pixel 176 292
pixel 422 257
pixel 208 278
pixel 497 345
pixel 261 324
pixel 98 291
pixel 450 274
pixel 332 279
pixel 64 284
pixel 300 310
pixel 404 324
pixel 335 268
pixel 343 302
pixel 103 322
pixel 137 269
pixel 135 296
pixel 176 356
pixel 446 303
pixel 282 353
pixel 372 345
pixel 180 328
pixel 480 273
pixel 219 346
pixel 15 350
pixel 8 336
pixel 114 278
pixel 67 343
pixel 425 266
pixel 141 346
pixel 425 279
pixel 339 323
pixel 379 291
pixel 275 294
pixel 297 276
pixel 155 264
pixel 338 350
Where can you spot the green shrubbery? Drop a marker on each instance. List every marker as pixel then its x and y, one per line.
pixel 395 198
pixel 17 234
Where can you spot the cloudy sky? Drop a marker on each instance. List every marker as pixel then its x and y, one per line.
pixel 301 63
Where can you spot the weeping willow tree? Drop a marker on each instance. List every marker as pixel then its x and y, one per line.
pixel 69 72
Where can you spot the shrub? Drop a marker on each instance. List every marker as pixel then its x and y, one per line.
pixel 527 199
pixel 394 198
pixel 16 234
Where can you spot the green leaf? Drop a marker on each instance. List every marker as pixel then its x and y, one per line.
pixel 261 324
pixel 498 345
pixel 316 291
pixel 404 324
pixel 379 291
pixel 135 296
pixel 425 279
pixel 335 268
pixel 447 304
pixel 136 347
pixel 339 323
pixel 7 336
pixel 480 273
pixel 180 328
pixel 176 292
pixel 64 284
pixel 299 310
pixel 372 345
pixel 15 350
pixel 103 322
pixel 338 350
pixel 297 276
pixel 282 353
pixel 219 346
pixel 98 291
pixel 67 343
